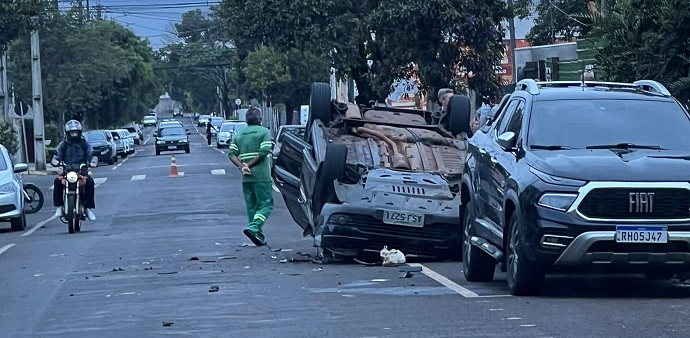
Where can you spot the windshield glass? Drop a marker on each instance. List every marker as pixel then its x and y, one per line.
pixel 173 132
pixel 3 162
pixel 217 122
pixel 94 136
pixel 299 132
pixel 583 123
pixel 227 127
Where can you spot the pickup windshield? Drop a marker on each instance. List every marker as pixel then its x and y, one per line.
pixel 604 124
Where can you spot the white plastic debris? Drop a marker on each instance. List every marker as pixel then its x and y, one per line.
pixel 392 257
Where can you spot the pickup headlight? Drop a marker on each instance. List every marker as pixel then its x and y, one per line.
pixel 72 177
pixel 7 188
pixel 557 201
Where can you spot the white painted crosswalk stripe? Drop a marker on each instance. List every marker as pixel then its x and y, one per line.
pixel 138 177
pixel 218 172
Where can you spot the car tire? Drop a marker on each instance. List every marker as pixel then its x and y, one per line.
pixel 19 223
pixel 460 115
pixel 158 152
pixel 523 278
pixel 186 150
pixel 111 161
pixel 477 265
pixel 319 106
pixel 332 168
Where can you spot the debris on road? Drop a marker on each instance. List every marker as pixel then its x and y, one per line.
pixel 118 270
pixel 167 273
pixel 226 257
pixel 317 269
pixel 408 270
pixel 214 288
pixel 392 257
pixel 166 324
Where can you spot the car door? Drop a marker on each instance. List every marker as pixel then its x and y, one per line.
pixel 505 160
pixel 490 206
pixel 286 173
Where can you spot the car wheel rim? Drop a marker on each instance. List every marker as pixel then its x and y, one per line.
pixel 513 255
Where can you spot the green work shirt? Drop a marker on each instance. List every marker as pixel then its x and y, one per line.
pixel 252 141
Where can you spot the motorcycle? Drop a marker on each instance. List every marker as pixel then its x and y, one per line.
pixel 33 197
pixel 73 179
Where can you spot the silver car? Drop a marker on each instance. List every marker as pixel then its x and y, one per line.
pixel 11 195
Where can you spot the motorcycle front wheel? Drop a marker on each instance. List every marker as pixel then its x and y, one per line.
pixel 71 215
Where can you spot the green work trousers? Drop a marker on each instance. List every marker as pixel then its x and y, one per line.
pixel 259 199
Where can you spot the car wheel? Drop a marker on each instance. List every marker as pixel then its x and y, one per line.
pixel 19 223
pixel 460 111
pixel 523 278
pixel 332 168
pixel 158 152
pixel 477 265
pixel 111 161
pixel 319 106
pixel 186 150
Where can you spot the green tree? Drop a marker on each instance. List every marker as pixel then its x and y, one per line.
pixel 641 39
pixel 15 19
pixel 560 19
pixel 437 35
pixel 99 71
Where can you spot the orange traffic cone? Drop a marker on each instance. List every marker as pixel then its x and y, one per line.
pixel 173 166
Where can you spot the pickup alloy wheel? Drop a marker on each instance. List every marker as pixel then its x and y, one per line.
pixel 319 106
pixel 477 265
pixel 523 278
pixel 332 168
pixel 459 115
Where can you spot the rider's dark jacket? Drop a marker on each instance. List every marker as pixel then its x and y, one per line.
pixel 74 152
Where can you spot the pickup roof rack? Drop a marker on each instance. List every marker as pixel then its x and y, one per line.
pixel 532 86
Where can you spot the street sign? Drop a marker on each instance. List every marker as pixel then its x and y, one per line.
pixel 238 102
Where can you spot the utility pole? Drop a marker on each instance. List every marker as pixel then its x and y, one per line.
pixel 37 87
pixel 4 87
pixel 88 11
pixel 511 29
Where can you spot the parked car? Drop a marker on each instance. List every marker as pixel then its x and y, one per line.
pixel 228 130
pixel 202 120
pixel 11 191
pixel 121 143
pixel 379 177
pixel 135 131
pixel 294 129
pixel 575 177
pixel 172 138
pixel 128 138
pixel 103 147
pixel 150 121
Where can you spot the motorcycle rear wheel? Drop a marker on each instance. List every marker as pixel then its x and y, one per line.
pixel 71 215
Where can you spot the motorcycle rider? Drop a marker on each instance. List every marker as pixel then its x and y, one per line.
pixel 74 151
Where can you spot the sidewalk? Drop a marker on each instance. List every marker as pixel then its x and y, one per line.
pixel 50 170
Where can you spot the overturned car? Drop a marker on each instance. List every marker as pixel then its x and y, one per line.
pixel 367 177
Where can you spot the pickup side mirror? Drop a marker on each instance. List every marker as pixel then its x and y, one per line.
pixel 20 167
pixel 507 140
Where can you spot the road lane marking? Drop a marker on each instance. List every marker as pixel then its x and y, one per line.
pixel 100 180
pixel 38 226
pixel 218 172
pixel 275 188
pixel 147 140
pixel 138 177
pixel 121 163
pixel 445 281
pixel 6 247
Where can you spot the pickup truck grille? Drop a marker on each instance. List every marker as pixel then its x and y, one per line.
pixel 408 190
pixel 618 203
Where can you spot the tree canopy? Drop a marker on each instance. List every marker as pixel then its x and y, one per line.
pixel 439 36
pixel 15 18
pixel 98 71
pixel 560 20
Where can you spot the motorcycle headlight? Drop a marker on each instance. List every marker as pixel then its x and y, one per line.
pixel 72 177
pixel 7 188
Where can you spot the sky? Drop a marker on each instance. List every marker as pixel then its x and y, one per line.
pixel 153 18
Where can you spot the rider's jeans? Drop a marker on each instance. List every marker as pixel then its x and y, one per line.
pixel 89 200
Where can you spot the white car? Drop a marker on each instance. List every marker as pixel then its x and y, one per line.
pixel 11 191
pixel 150 121
pixel 228 130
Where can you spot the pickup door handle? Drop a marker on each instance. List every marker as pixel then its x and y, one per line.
pixel 494 160
pixel 482 151
pixel 280 182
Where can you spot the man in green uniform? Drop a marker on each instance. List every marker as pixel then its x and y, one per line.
pixel 248 151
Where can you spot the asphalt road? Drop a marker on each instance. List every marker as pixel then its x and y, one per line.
pixel 145 268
